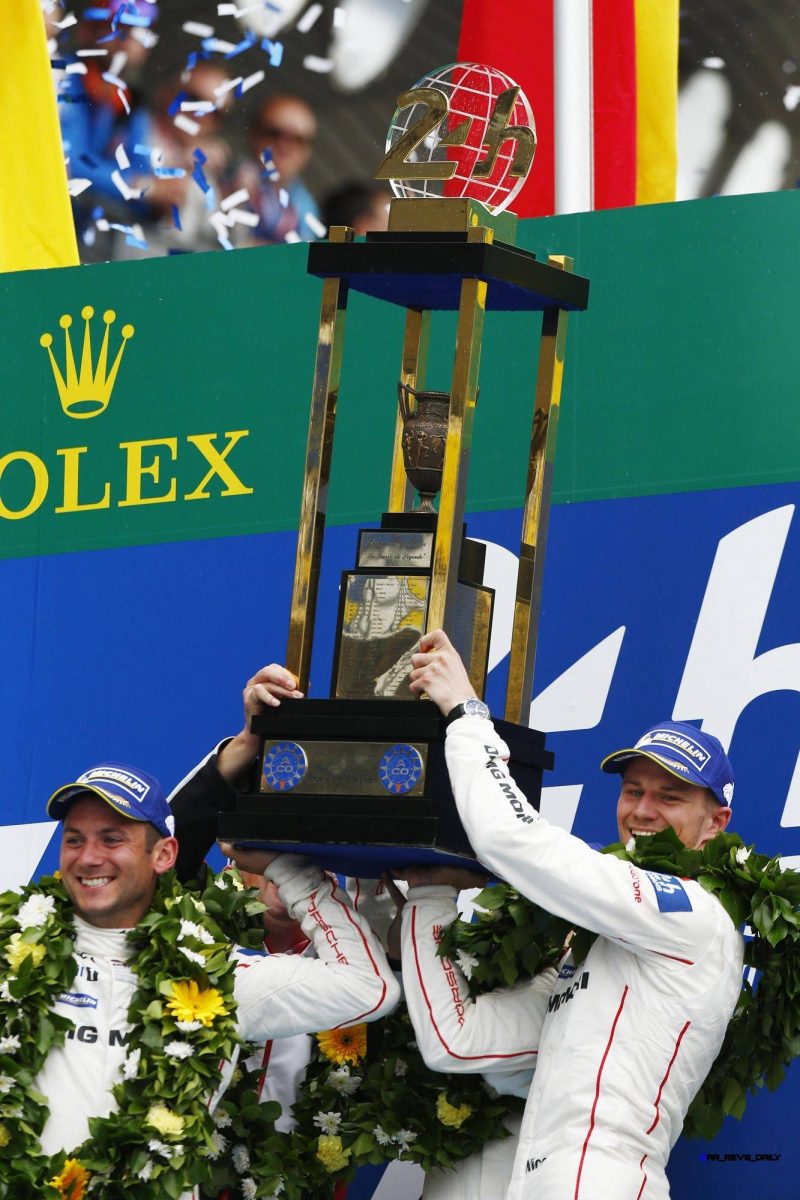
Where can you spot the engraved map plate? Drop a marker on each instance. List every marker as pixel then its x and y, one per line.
pixel 395 549
pixel 355 769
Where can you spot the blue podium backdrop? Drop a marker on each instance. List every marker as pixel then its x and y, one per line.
pixel 672 582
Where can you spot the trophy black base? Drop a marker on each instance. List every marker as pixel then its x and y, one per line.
pixel 361 786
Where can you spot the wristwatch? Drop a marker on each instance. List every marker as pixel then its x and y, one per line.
pixel 468 708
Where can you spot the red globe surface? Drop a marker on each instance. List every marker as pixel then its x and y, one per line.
pixel 471 91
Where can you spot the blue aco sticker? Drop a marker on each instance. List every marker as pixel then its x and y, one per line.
pixel 400 768
pixel 285 764
pixel 670 892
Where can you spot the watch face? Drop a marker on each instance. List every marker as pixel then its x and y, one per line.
pixel 475 708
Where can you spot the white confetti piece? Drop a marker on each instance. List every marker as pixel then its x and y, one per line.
pixel 714 63
pixel 791 98
pixel 201 107
pixel 317 228
pixel 76 68
pixel 245 218
pixel 76 186
pixel 309 18
pixel 198 29
pixel 322 66
pixel 69 19
pixel 283 197
pixel 227 86
pixel 102 224
pixel 226 10
pixel 221 227
pixel 118 63
pixel 339 18
pixel 186 124
pixel 252 80
pixel 113 79
pixel 124 100
pixel 293 236
pixel 144 36
pixel 92 53
pixel 216 45
pixel 122 159
pixel 240 197
pixel 127 193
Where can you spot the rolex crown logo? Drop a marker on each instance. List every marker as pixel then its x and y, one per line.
pixel 86 393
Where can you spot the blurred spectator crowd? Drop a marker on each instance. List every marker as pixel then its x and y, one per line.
pixel 161 175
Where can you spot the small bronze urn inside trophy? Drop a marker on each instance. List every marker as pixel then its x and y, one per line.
pixel 424 439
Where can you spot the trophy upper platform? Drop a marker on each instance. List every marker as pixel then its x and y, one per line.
pixel 424 270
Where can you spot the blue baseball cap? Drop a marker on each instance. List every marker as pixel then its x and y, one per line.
pixel 129 791
pixel 686 752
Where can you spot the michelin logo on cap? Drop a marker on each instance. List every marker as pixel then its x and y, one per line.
pixel 680 745
pixel 130 783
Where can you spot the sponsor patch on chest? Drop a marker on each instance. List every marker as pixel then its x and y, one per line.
pixel 671 895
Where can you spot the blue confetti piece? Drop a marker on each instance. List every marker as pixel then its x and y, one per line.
pixel 169 172
pixel 199 156
pixel 130 240
pixel 88 159
pixel 58 64
pixel 176 217
pixel 191 61
pixel 211 199
pixel 199 178
pixel 175 106
pixel 240 47
pixel 97 212
pixel 143 150
pixel 274 50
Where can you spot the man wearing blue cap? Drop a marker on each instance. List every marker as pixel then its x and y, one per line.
pixel 117 840
pixel 627 1036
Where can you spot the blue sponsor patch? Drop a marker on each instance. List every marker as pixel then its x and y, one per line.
pixel 566 972
pixel 670 892
pixel 77 999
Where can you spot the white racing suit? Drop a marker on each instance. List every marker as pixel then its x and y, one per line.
pixel 496 1034
pixel 277 996
pixel 631 1033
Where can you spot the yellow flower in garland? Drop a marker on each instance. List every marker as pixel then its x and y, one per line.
pixel 344 1045
pixel 165 1120
pixel 188 1002
pixel 17 951
pixel 5 1136
pixel 71 1182
pixel 448 1114
pixel 331 1153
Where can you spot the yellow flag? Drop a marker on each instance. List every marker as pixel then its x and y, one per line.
pixel 36 226
pixel 656 100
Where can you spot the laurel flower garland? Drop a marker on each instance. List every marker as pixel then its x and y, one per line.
pixel 182 1026
pixel 513 939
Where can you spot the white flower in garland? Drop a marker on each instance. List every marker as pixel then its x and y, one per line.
pixel 467 963
pixel 220 1145
pixel 178 1049
pixel 328 1122
pixel 35 912
pixel 401 1068
pixel 403 1138
pixel 381 1136
pixel 189 1026
pixel 158 1147
pixel 9 1044
pixel 742 855
pixel 630 845
pixel 193 956
pixel 5 990
pixel 6 1084
pixel 191 929
pixel 342 1081
pixel 130 1067
pixel 249 1188
pixel 240 1159
pixel 147 1170
pixel 222 1119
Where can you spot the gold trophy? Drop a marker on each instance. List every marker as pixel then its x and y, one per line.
pixel 358 780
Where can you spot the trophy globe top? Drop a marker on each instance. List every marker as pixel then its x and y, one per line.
pixel 482 134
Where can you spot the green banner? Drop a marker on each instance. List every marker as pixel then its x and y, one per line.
pixel 175 403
